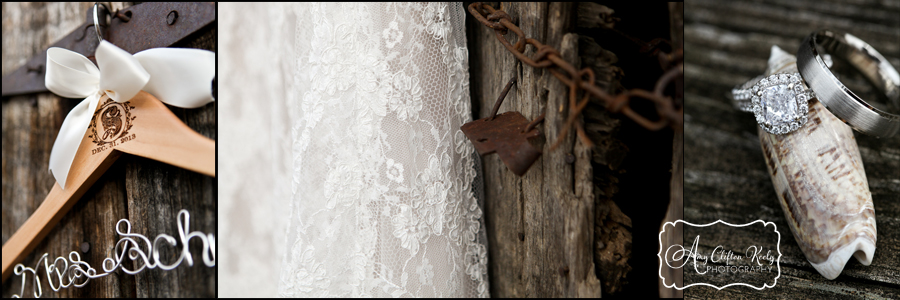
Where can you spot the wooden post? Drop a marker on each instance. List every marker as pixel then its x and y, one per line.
pixel 540 226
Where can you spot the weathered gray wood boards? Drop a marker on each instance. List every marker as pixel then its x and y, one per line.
pixel 728 43
pixel 147 193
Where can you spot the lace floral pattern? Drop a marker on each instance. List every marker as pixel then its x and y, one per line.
pixel 383 202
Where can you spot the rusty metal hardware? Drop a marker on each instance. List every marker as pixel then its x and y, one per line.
pixel 136 28
pixel 547 57
pixel 506 134
pixel 124 16
pixel 171 17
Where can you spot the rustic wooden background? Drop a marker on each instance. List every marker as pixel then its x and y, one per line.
pixel 147 193
pixel 727 43
pixel 562 226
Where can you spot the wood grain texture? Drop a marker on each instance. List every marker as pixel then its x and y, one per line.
pixel 557 229
pixel 539 226
pixel 147 193
pixel 612 228
pixel 727 43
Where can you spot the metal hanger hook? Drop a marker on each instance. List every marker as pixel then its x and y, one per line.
pixel 97 20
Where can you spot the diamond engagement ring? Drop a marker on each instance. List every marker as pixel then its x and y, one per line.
pixel 779 101
pixel 836 97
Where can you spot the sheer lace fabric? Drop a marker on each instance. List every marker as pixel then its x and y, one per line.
pixel 254 157
pixel 383 202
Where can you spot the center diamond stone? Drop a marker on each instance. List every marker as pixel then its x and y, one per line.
pixel 779 106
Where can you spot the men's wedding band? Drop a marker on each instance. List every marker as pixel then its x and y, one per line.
pixel 839 100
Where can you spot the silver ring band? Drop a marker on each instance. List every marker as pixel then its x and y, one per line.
pixel 839 100
pixel 742 94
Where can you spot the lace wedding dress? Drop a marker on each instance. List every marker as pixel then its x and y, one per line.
pixel 383 190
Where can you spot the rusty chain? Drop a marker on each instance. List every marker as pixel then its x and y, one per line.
pixel 546 56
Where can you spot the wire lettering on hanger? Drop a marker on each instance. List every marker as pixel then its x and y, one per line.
pixel 74 268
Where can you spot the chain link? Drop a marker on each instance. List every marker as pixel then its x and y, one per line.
pixel 546 56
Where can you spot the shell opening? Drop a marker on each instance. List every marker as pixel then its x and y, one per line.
pixel 862 248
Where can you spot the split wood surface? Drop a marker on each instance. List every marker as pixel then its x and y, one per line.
pixel 557 231
pixel 540 225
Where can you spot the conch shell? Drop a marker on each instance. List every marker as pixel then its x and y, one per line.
pixel 821 185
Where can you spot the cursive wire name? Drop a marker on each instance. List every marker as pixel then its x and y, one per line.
pixel 79 269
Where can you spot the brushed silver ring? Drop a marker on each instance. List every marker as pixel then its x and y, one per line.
pixel 836 97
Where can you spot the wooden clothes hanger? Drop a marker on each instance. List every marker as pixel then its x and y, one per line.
pixel 153 132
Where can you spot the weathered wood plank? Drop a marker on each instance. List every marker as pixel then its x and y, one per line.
pixel 612 228
pixel 147 193
pixel 540 226
pixel 727 43
pixel 531 221
pixel 522 212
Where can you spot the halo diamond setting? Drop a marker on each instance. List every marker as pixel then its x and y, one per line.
pixel 779 103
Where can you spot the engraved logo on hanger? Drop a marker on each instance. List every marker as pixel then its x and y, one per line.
pixel 110 124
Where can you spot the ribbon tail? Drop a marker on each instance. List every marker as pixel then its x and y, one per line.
pixel 179 77
pixel 69 138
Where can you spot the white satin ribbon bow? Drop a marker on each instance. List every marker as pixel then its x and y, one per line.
pixel 178 77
